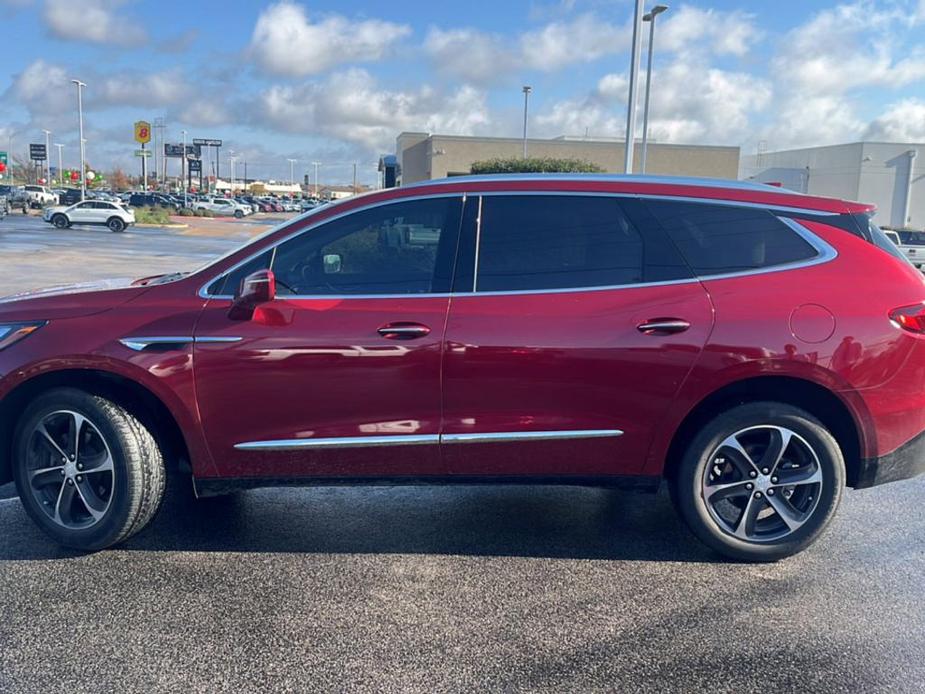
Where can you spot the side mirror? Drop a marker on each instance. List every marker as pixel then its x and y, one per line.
pixel 256 289
pixel 332 263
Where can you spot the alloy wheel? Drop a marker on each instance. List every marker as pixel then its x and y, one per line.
pixel 762 483
pixel 70 470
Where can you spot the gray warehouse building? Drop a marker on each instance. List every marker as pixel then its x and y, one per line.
pixel 423 156
pixel 882 173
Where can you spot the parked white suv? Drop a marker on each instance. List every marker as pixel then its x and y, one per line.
pixel 223 207
pixel 110 214
pixel 39 196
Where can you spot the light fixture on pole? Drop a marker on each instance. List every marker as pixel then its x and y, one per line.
pixel 634 88
pixel 60 164
pixel 47 156
pixel 527 89
pixel 80 123
pixel 650 17
pixel 291 170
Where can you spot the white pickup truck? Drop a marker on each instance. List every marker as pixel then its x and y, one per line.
pixel 912 244
pixel 40 196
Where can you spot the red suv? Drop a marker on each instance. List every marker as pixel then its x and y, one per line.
pixel 759 350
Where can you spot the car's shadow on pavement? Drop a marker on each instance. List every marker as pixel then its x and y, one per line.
pixel 521 521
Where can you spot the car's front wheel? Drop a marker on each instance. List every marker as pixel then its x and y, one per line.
pixel 88 472
pixel 60 221
pixel 760 482
pixel 238 214
pixel 116 225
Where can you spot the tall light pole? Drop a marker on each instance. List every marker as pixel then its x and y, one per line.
pixel 291 169
pixel 232 159
pixel 527 89
pixel 80 123
pixel 634 87
pixel 316 164
pixel 183 170
pixel 650 18
pixel 60 164
pixel 9 160
pixel 47 156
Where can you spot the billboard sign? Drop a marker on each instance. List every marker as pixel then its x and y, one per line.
pixel 38 153
pixel 142 132
pixel 207 142
pixel 173 150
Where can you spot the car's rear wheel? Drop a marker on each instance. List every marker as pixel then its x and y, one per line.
pixel 60 221
pixel 760 482
pixel 115 225
pixel 238 214
pixel 88 472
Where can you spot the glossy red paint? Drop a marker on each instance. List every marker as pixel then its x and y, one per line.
pixel 319 368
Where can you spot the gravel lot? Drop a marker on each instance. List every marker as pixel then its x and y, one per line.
pixel 439 589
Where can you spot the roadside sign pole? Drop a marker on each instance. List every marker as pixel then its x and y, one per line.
pixel 144 169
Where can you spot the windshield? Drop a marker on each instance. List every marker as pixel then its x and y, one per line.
pixel 912 238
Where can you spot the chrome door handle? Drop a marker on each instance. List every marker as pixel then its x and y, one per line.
pixel 403 331
pixel 663 326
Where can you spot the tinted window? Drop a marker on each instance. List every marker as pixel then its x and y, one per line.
pixel 541 242
pixel 717 239
pixel 402 248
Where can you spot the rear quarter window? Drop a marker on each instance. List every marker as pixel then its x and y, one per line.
pixel 719 239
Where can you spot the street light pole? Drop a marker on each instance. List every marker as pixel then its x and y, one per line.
pixel 291 170
pixel 80 122
pixel 656 11
pixel 634 88
pixel 316 164
pixel 47 156
pixel 526 90
pixel 232 159
pixel 183 170
pixel 60 164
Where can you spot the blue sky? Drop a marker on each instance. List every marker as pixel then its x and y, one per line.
pixel 337 81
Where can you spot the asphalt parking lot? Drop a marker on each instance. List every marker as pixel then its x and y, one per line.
pixel 439 589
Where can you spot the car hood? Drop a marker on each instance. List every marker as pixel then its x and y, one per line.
pixel 69 301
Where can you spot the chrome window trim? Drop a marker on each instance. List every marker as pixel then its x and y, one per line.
pixel 826 252
pixel 503 437
pixel 347 442
pixel 429 439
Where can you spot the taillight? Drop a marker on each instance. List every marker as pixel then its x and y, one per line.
pixel 911 318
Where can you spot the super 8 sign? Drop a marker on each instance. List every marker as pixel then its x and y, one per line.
pixel 142 132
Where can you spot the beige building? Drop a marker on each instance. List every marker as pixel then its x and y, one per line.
pixel 422 156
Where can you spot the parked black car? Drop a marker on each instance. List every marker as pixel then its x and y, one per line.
pixel 152 200
pixel 70 196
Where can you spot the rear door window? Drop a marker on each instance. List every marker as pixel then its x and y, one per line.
pixel 549 242
pixel 720 239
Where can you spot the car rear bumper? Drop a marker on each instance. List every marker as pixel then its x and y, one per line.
pixel 905 462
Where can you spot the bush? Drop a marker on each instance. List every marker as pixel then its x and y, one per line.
pixel 186 212
pixel 200 212
pixel 152 215
pixel 534 165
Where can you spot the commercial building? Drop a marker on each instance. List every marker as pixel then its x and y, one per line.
pixel 881 173
pixel 423 156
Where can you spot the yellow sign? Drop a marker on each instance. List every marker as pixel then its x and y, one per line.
pixel 142 132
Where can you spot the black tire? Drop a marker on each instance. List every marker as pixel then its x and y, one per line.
pixel 688 482
pixel 238 214
pixel 60 221
pixel 115 225
pixel 138 476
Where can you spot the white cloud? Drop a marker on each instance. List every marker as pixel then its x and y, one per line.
pixel 351 107
pixel 581 40
pixel 470 54
pixel 481 57
pixel 690 103
pixel 723 33
pixel 903 121
pixel 286 42
pixel 96 21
